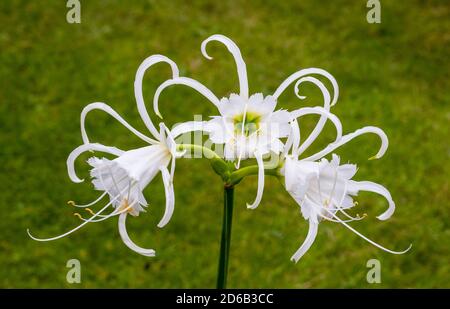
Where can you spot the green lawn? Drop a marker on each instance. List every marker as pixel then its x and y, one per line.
pixel 394 75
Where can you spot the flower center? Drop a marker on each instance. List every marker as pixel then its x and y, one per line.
pixel 246 125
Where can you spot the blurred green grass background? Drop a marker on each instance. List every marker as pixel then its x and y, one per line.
pixel 394 75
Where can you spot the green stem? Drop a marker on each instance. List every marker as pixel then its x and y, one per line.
pixel 218 164
pixel 230 177
pixel 209 154
pixel 226 237
pixel 237 176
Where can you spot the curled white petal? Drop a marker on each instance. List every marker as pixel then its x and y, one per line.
pixel 128 242
pixel 109 110
pixel 324 116
pixel 309 240
pixel 168 139
pixel 170 197
pixel 356 186
pixel 321 123
pixel 346 138
pixel 293 139
pixel 234 50
pixel 147 63
pixel 304 72
pixel 260 191
pixel 188 126
pixel 83 148
pixel 202 89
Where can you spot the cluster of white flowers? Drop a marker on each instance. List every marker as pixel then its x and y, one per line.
pixel 247 127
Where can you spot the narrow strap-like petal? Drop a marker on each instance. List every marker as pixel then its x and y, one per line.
pixel 356 186
pixel 128 242
pixel 323 118
pixel 346 138
pixel 109 110
pixel 168 139
pixel 234 50
pixel 293 139
pixel 309 240
pixel 324 115
pixel 83 148
pixel 202 89
pixel 260 191
pixel 147 63
pixel 189 126
pixel 304 72
pixel 170 197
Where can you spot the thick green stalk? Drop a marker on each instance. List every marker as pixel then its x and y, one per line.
pixel 230 177
pixel 238 175
pixel 226 237
pixel 209 154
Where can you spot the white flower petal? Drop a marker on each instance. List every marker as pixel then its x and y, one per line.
pixel 293 139
pixel 323 118
pixel 109 110
pixel 83 148
pixel 202 89
pixel 315 133
pixel 309 240
pixel 279 120
pixel 276 146
pixel 269 103
pixel 189 126
pixel 305 72
pixel 128 242
pixel 369 186
pixel 229 152
pixel 147 63
pixel 260 191
pixel 142 164
pixel 346 138
pixel 234 50
pixel 219 130
pixel 347 171
pixel 170 197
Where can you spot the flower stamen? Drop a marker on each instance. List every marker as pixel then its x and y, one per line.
pixel 90 211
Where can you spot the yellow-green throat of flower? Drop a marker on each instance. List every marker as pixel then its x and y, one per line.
pixel 246 124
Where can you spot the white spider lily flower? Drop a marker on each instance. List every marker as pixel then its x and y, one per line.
pixel 124 178
pixel 325 188
pixel 250 126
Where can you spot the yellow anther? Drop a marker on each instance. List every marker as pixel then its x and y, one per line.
pixel 90 211
pixel 71 203
pixel 363 216
pixel 78 215
pixel 125 206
